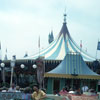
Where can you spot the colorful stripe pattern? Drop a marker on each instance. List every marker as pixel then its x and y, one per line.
pixel 62 45
pixel 73 64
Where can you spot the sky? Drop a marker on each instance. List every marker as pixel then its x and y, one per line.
pixel 23 21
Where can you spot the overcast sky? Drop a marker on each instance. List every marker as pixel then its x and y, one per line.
pixel 23 21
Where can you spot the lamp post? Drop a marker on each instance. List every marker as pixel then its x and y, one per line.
pixel 0 73
pixel 3 65
pixel 12 70
pixel 22 66
pixel 34 67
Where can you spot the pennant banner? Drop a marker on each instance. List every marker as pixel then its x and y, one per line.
pixel 98 47
pixel 39 42
pixel 81 44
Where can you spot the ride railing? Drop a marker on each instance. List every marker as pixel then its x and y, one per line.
pixel 82 97
pixel 22 96
pixel 86 96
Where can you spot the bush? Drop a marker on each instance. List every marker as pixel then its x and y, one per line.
pixel 5 84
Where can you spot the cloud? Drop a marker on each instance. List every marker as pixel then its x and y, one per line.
pixel 22 21
pixel 87 7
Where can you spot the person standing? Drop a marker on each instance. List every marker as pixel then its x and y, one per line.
pixel 12 88
pixel 26 95
pixel 85 88
pixel 63 91
pixel 38 94
pixel 17 89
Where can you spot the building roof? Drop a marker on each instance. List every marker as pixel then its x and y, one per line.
pixel 73 66
pixel 62 45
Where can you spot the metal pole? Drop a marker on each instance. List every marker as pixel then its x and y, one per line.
pixel 11 81
pixel 44 71
pixel 3 72
pixel 97 49
pixel 12 69
pixel 96 54
pixel 39 46
pixel 3 75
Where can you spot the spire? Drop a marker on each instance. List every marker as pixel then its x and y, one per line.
pixel 26 54
pixel 65 16
pixel 50 37
pixel 64 29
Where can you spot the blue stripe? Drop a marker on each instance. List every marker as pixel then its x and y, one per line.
pixel 82 50
pixel 78 61
pixel 43 54
pixel 66 47
pixel 72 46
pixel 67 65
pixel 49 49
pixel 54 42
pixel 56 53
pixel 80 64
pixel 76 64
pixel 77 51
pixel 85 69
pixel 71 69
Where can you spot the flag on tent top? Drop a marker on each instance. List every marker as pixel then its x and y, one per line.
pixel 81 44
pixel 98 47
pixel 39 42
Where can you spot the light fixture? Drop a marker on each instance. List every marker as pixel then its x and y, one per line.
pixel 34 66
pixel 2 65
pixel 22 66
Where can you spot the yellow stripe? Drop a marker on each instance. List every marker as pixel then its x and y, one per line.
pixel 72 77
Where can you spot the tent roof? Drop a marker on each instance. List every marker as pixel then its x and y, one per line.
pixel 73 66
pixel 62 45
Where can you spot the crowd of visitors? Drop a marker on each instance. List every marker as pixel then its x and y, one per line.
pixel 11 89
pixel 75 91
pixel 38 94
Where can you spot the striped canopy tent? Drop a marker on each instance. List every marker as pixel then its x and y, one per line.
pixel 62 45
pixel 73 66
